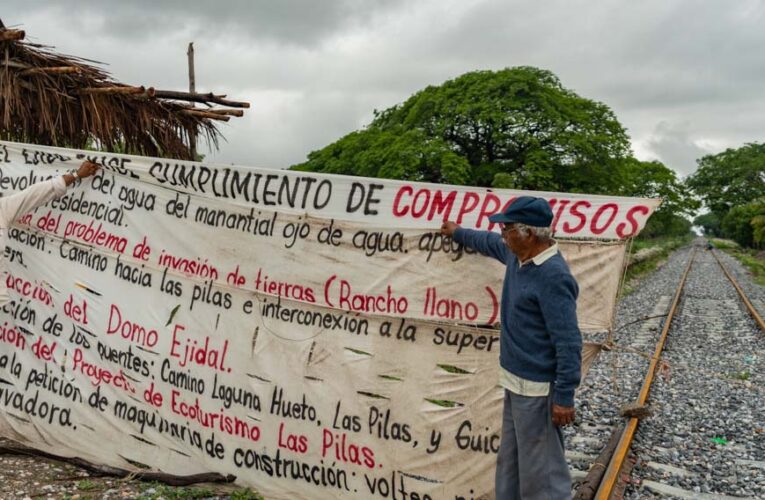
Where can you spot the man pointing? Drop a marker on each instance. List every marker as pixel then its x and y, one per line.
pixel 540 353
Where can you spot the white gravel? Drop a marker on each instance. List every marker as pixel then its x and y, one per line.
pixel 706 433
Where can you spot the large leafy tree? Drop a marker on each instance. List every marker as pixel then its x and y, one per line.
pixel 514 128
pixel 758 222
pixel 710 223
pixel 731 178
pixel 732 185
pixel 653 179
pixel 738 223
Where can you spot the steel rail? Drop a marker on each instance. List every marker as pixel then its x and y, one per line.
pixel 611 476
pixel 752 311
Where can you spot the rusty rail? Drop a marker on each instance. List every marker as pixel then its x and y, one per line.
pixel 611 476
pixel 755 315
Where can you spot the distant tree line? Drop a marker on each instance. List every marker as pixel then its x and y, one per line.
pixel 732 186
pixel 515 128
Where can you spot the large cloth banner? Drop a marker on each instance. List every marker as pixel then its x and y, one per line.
pixel 313 335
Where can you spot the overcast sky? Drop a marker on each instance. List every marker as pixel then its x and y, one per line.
pixel 686 78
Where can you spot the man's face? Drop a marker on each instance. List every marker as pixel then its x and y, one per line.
pixel 515 238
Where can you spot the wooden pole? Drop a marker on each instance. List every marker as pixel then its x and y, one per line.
pixel 192 90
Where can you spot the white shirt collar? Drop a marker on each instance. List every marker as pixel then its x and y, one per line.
pixel 541 257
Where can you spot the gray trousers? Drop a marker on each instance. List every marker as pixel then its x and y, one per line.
pixel 531 463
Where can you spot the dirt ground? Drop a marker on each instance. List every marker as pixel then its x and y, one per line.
pixel 31 477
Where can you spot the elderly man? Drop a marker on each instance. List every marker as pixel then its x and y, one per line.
pixel 540 349
pixel 16 205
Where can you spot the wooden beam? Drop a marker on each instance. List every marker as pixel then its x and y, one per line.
pixel 7 35
pixel 204 98
pixel 114 90
pixel 205 114
pixel 227 112
pixel 58 70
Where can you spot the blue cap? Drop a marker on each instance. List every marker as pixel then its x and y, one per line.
pixel 526 210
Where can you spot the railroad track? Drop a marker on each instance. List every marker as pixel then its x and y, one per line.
pixel 696 361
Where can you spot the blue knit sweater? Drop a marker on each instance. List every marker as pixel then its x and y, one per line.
pixel 540 337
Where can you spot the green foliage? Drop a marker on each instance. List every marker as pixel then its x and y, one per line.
pixel 758 222
pixel 725 244
pixel 710 223
pixel 751 259
pixel 517 128
pixel 86 485
pixel 730 178
pixel 755 264
pixel 665 223
pixel 737 223
pixel 245 494
pixel 514 128
pixel 732 185
pixel 394 154
pixel 652 179
pixel 159 491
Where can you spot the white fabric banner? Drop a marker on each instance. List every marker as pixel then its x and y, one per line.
pixel 309 334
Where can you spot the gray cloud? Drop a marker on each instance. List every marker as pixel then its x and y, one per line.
pixel 288 22
pixel 683 77
pixel 674 145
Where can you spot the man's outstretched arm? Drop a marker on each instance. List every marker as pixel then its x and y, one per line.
pixel 488 243
pixel 15 205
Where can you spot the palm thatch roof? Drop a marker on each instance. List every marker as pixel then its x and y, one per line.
pixel 60 100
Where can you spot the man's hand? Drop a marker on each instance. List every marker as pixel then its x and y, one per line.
pixel 448 228
pixel 87 169
pixel 562 415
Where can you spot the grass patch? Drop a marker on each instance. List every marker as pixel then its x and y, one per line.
pixel 86 485
pixel 156 491
pixel 753 260
pixel 725 244
pixel 176 492
pixel 742 375
pixel 245 494
pixel 639 270
pixel 756 266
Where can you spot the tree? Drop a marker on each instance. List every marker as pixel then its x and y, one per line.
pixel 652 179
pixel 733 177
pixel 516 128
pixel 710 223
pixel 758 222
pixel 392 154
pixel 737 223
